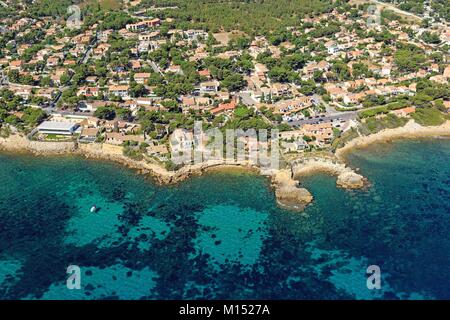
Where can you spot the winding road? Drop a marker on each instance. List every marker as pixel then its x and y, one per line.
pixel 395 9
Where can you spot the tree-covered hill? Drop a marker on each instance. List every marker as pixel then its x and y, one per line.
pixel 58 8
pixel 251 16
pixel 439 9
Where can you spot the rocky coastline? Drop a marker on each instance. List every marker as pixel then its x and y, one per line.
pixel 285 181
pixel 287 191
pixel 411 130
pixel 20 144
pixel 346 177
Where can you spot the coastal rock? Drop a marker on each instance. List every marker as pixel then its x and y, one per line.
pixel 350 180
pixel 293 198
pixel 46 148
pixel 15 143
pixel 288 194
pixel 346 177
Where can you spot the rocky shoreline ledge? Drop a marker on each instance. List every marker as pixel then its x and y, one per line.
pixel 411 130
pixel 288 193
pixel 293 197
pixel 20 144
pixel 346 177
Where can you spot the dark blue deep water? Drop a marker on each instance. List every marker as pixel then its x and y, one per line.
pixel 221 236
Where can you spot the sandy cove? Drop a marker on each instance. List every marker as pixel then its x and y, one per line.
pixel 411 130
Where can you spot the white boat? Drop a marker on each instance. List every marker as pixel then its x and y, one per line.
pixel 93 209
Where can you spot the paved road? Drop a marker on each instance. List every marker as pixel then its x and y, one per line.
pixel 347 115
pixel 247 99
pixel 155 67
pixel 344 116
pixel 395 9
pixel 330 110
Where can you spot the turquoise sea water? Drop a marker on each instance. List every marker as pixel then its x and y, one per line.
pixel 221 236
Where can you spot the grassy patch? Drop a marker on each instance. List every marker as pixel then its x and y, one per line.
pixel 133 153
pixel 374 125
pixel 428 117
pixel 384 109
pixel 344 138
pixel 373 112
pixel 5 132
pixel 110 4
pixel 56 137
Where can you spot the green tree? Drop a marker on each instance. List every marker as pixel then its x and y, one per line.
pixel 408 60
pixel 431 37
pixel 234 82
pixel 33 116
pixel 106 112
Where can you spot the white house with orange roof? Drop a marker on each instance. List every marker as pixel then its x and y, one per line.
pixel 88 91
pixel 141 77
pixel 16 65
pixel 119 91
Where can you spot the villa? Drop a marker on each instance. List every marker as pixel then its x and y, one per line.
pixel 209 86
pixel 89 134
pixel 117 139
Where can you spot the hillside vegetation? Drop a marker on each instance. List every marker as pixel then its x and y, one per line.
pixel 251 16
pixel 58 8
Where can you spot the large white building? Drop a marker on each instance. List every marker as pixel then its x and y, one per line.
pixel 54 127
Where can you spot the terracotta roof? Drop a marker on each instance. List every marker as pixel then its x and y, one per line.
pixel 224 107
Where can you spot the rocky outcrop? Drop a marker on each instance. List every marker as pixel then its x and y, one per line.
pixel 18 143
pixel 287 192
pixel 350 180
pixel 43 147
pixel 159 173
pixel 309 166
pixel 346 177
pixel 14 142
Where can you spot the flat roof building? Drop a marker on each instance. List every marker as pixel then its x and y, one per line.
pixel 54 127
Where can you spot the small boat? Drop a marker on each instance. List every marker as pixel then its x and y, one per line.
pixel 94 209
